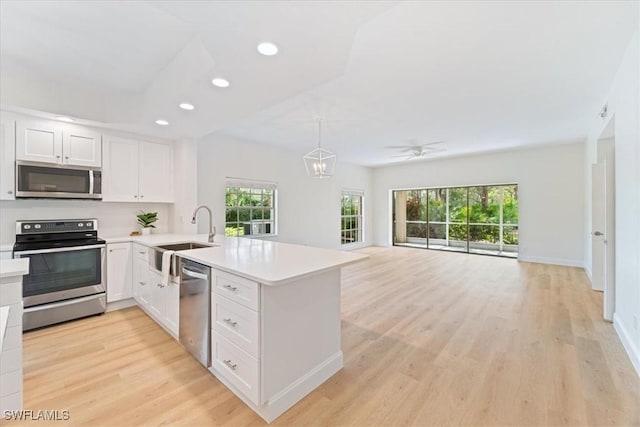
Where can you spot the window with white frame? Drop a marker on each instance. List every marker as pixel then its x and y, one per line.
pixel 351 216
pixel 250 207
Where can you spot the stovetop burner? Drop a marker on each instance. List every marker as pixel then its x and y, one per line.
pixel 51 234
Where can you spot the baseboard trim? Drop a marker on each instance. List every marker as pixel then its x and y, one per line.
pixel 627 343
pixel 292 394
pixel 587 270
pixel 553 261
pixel 119 305
pixel 289 396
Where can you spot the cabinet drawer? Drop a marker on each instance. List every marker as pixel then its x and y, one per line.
pixel 141 251
pixel 236 288
pixel 236 366
pixel 237 323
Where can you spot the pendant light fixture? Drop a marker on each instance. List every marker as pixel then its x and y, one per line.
pixel 320 163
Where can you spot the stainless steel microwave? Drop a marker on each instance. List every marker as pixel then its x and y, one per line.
pixel 45 180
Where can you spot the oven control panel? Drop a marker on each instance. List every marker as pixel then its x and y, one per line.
pixel 56 226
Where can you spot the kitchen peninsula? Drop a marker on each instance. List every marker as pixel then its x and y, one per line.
pixel 275 315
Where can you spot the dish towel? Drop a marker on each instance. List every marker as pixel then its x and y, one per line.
pixel 166 267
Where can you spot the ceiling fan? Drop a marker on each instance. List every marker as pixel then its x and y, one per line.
pixel 414 151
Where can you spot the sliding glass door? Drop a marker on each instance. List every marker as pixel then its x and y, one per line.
pixel 477 219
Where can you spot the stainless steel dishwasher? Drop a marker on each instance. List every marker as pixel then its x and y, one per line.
pixel 195 309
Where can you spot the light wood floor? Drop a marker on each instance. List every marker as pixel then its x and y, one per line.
pixel 429 338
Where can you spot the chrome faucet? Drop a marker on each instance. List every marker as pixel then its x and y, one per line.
pixel 212 229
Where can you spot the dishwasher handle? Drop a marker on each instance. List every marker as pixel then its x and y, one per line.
pixel 193 274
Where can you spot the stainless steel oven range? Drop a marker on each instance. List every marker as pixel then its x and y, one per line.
pixel 66 277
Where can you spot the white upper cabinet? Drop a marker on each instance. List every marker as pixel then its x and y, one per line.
pixel 137 171
pixel 39 141
pixel 7 157
pixel 81 147
pixel 120 170
pixel 52 142
pixel 155 177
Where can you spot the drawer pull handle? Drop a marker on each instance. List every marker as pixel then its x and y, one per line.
pixel 143 283
pixel 230 322
pixel 231 288
pixel 160 285
pixel 231 366
pixel 141 252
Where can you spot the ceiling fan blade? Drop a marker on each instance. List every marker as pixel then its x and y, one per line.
pixel 396 147
pixel 431 143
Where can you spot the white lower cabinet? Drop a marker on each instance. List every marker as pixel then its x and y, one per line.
pixel 11 352
pixel 161 302
pixel 235 332
pixel 236 366
pixel 119 284
pixel 141 286
pixel 171 316
pixel 237 323
pixel 156 306
pixel 272 344
pixel 164 302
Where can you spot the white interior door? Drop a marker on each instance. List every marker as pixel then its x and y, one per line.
pixel 603 226
pixel 598 260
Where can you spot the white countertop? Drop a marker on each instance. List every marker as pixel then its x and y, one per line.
pixel 164 239
pixel 271 263
pixel 14 267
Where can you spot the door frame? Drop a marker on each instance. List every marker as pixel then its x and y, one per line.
pixel 605 149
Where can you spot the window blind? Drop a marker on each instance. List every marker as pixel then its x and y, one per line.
pixel 352 192
pixel 250 183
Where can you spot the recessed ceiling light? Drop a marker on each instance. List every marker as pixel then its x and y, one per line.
pixel 65 119
pixel 162 122
pixel 267 48
pixel 187 106
pixel 220 82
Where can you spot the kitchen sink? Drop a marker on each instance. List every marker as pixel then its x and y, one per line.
pixel 185 246
pixel 155 254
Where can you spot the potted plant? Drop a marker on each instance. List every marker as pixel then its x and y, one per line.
pixel 146 220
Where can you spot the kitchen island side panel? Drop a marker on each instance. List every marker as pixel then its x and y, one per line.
pixel 300 329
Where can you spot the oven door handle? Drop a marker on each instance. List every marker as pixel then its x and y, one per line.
pixel 48 251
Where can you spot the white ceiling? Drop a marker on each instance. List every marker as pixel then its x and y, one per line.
pixel 479 75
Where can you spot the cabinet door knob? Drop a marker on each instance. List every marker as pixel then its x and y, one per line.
pixel 135 196
pixel 143 283
pixel 160 285
pixel 66 157
pixel 142 196
pixel 9 192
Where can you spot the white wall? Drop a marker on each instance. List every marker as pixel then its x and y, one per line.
pixel 308 208
pixel 623 109
pixel 550 190
pixel 114 219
